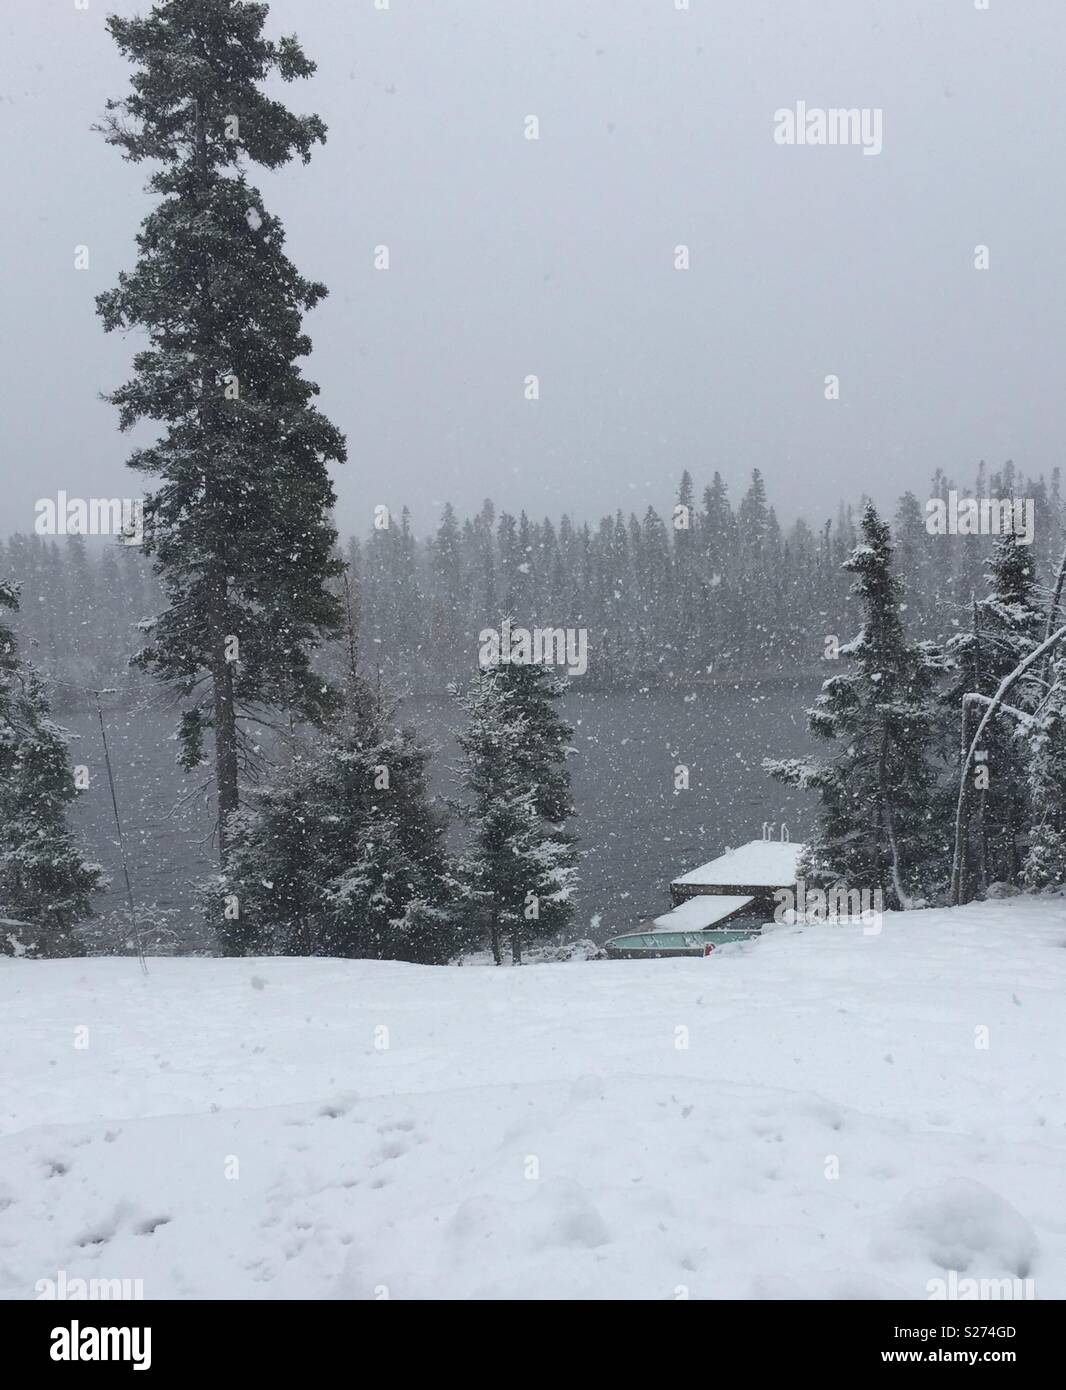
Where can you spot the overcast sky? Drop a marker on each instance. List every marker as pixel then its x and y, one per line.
pixel 556 256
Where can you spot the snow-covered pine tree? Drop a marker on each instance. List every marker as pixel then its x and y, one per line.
pixel 915 559
pixel 239 524
pixel 518 870
pixel 689 594
pixel 342 853
pixel 1045 861
pixel 878 828
pixel 1039 677
pixel 1006 625
pixel 654 565
pixel 45 884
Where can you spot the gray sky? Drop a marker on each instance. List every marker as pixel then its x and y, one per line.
pixel 555 257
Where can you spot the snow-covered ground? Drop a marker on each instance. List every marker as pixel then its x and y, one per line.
pixel 545 1132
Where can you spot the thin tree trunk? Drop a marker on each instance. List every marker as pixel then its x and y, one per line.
pixel 226 764
pixel 963 847
pixel 982 840
pixel 1017 810
pixel 902 897
pixel 494 932
pixel 982 823
pixel 1056 598
pixel 352 614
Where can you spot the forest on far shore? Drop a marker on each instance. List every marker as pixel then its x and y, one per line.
pixel 732 594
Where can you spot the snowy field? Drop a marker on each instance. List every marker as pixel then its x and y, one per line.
pixel 240 1128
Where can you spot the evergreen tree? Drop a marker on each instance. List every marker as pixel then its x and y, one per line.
pixel 518 871
pixel 717 525
pixel 753 523
pixel 914 556
pixel 524 588
pixel 448 573
pixel 878 823
pixel 45 885
pixel 653 561
pixel 1045 862
pixel 1006 625
pixel 342 853
pixel 686 633
pixel 238 524
pixel 510 557
pixel 483 561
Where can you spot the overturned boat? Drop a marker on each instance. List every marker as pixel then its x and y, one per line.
pixel 727 899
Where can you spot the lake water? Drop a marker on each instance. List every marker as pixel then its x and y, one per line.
pixel 635 830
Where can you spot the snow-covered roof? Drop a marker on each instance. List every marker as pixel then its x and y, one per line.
pixel 695 914
pixel 758 864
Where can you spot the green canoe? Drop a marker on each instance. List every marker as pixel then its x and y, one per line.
pixel 677 943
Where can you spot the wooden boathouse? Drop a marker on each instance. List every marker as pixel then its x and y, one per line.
pixel 726 899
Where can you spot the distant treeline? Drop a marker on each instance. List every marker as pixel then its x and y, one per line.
pixel 706 588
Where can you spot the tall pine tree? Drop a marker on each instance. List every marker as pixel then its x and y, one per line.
pixel 1006 625
pixel 239 521
pixel 878 824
